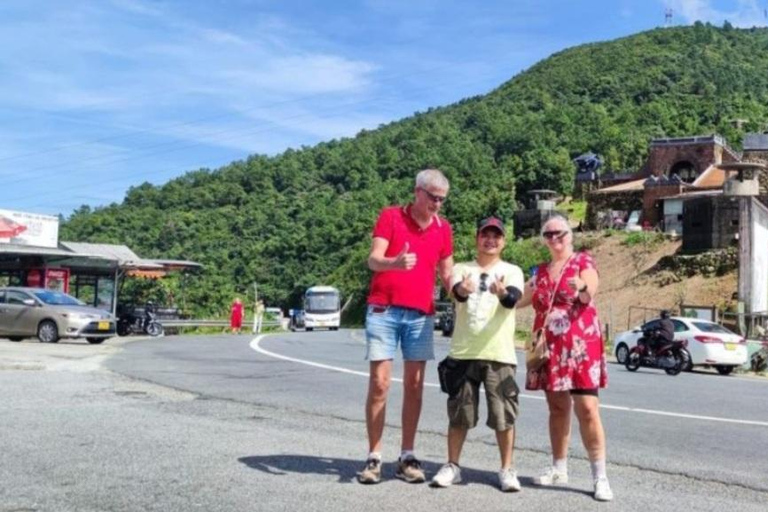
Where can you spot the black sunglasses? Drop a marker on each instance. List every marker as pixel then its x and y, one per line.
pixel 432 197
pixel 483 282
pixel 549 235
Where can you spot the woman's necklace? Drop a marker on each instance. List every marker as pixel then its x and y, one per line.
pixel 555 267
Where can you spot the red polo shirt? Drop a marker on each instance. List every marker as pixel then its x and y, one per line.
pixel 410 288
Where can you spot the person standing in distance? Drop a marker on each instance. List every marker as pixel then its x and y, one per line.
pixel 409 244
pixel 483 352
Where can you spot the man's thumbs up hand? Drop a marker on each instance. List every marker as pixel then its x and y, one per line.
pixel 405 260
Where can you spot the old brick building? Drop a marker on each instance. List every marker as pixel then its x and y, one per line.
pixel 674 166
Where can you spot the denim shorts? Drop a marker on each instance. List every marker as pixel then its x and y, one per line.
pixel 386 327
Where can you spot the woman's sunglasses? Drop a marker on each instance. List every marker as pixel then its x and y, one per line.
pixel 554 235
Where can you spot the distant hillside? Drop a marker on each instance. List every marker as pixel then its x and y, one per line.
pixel 304 217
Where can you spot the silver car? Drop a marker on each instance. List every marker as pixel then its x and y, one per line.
pixel 50 315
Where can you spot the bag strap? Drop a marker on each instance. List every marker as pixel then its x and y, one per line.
pixel 557 285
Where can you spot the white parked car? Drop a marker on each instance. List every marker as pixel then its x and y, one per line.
pixel 709 344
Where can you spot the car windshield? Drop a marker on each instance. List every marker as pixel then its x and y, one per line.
pixel 709 327
pixel 55 298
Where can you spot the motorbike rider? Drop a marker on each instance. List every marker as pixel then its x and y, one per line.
pixel 666 331
pixel 150 311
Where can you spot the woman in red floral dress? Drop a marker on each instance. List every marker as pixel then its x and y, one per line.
pixel 576 367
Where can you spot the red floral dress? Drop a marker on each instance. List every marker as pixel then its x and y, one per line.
pixel 577 358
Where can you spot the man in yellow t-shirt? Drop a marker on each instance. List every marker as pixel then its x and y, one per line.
pixel 483 352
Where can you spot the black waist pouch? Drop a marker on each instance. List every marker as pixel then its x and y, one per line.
pixel 452 374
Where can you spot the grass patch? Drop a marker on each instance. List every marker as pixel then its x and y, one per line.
pixel 576 210
pixel 645 238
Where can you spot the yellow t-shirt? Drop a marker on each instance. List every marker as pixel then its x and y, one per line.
pixel 484 329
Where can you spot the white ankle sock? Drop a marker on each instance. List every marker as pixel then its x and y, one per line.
pixel 560 465
pixel 598 469
pixel 374 455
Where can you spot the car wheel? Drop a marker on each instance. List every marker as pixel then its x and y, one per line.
pixel 308 329
pixel 47 332
pixel 95 341
pixel 622 351
pixel 724 370
pixel 15 338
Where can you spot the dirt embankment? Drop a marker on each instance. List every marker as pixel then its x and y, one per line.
pixel 626 285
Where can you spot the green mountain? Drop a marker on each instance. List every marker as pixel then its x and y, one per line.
pixel 304 217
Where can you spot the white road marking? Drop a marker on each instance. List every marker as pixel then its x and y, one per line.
pixel 255 346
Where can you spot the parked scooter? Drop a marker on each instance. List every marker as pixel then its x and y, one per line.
pixel 672 357
pixel 144 324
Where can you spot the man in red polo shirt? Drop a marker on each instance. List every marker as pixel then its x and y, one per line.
pixel 410 243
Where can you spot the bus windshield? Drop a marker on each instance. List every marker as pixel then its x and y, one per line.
pixel 322 302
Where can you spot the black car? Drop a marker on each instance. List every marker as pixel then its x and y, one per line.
pixel 444 317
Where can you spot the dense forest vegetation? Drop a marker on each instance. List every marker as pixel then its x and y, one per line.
pixel 304 217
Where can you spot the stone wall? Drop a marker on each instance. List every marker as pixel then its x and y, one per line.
pixel 676 267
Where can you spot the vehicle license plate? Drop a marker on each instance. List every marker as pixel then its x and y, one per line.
pixel 103 326
pixel 730 346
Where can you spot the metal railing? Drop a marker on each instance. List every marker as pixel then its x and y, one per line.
pixel 191 322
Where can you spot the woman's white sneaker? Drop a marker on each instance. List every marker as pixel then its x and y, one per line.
pixel 508 480
pixel 551 476
pixel 448 475
pixel 603 490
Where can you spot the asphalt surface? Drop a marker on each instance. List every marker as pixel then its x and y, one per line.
pixel 224 423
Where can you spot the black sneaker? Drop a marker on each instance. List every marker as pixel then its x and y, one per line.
pixel 410 470
pixel 371 474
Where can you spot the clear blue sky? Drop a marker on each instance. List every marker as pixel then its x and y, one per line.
pixel 100 95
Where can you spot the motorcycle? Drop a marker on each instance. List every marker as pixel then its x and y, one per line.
pixel 672 357
pixel 145 323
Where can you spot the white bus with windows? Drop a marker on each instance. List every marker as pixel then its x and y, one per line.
pixel 322 308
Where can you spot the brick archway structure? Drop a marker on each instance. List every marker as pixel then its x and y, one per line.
pixel 694 154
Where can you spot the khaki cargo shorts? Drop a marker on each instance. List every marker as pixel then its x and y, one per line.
pixel 501 394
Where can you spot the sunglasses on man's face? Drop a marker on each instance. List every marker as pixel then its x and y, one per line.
pixel 554 235
pixel 483 282
pixel 434 197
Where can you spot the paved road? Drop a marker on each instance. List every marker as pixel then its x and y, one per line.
pixel 220 423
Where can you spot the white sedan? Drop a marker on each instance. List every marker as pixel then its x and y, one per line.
pixel 709 344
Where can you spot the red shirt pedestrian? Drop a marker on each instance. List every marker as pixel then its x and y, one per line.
pixel 236 316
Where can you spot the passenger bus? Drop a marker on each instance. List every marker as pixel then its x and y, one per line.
pixel 322 308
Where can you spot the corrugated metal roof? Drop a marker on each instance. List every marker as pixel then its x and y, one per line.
pixel 714 176
pixel 33 250
pixel 623 187
pixel 756 142
pixel 120 253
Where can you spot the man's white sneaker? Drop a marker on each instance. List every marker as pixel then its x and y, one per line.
pixel 508 480
pixel 603 490
pixel 551 476
pixel 448 475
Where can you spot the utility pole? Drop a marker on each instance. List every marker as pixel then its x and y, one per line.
pixel 668 17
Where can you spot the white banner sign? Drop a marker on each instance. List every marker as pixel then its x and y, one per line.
pixel 29 229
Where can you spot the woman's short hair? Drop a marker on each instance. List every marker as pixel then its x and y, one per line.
pixel 557 216
pixel 432 178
